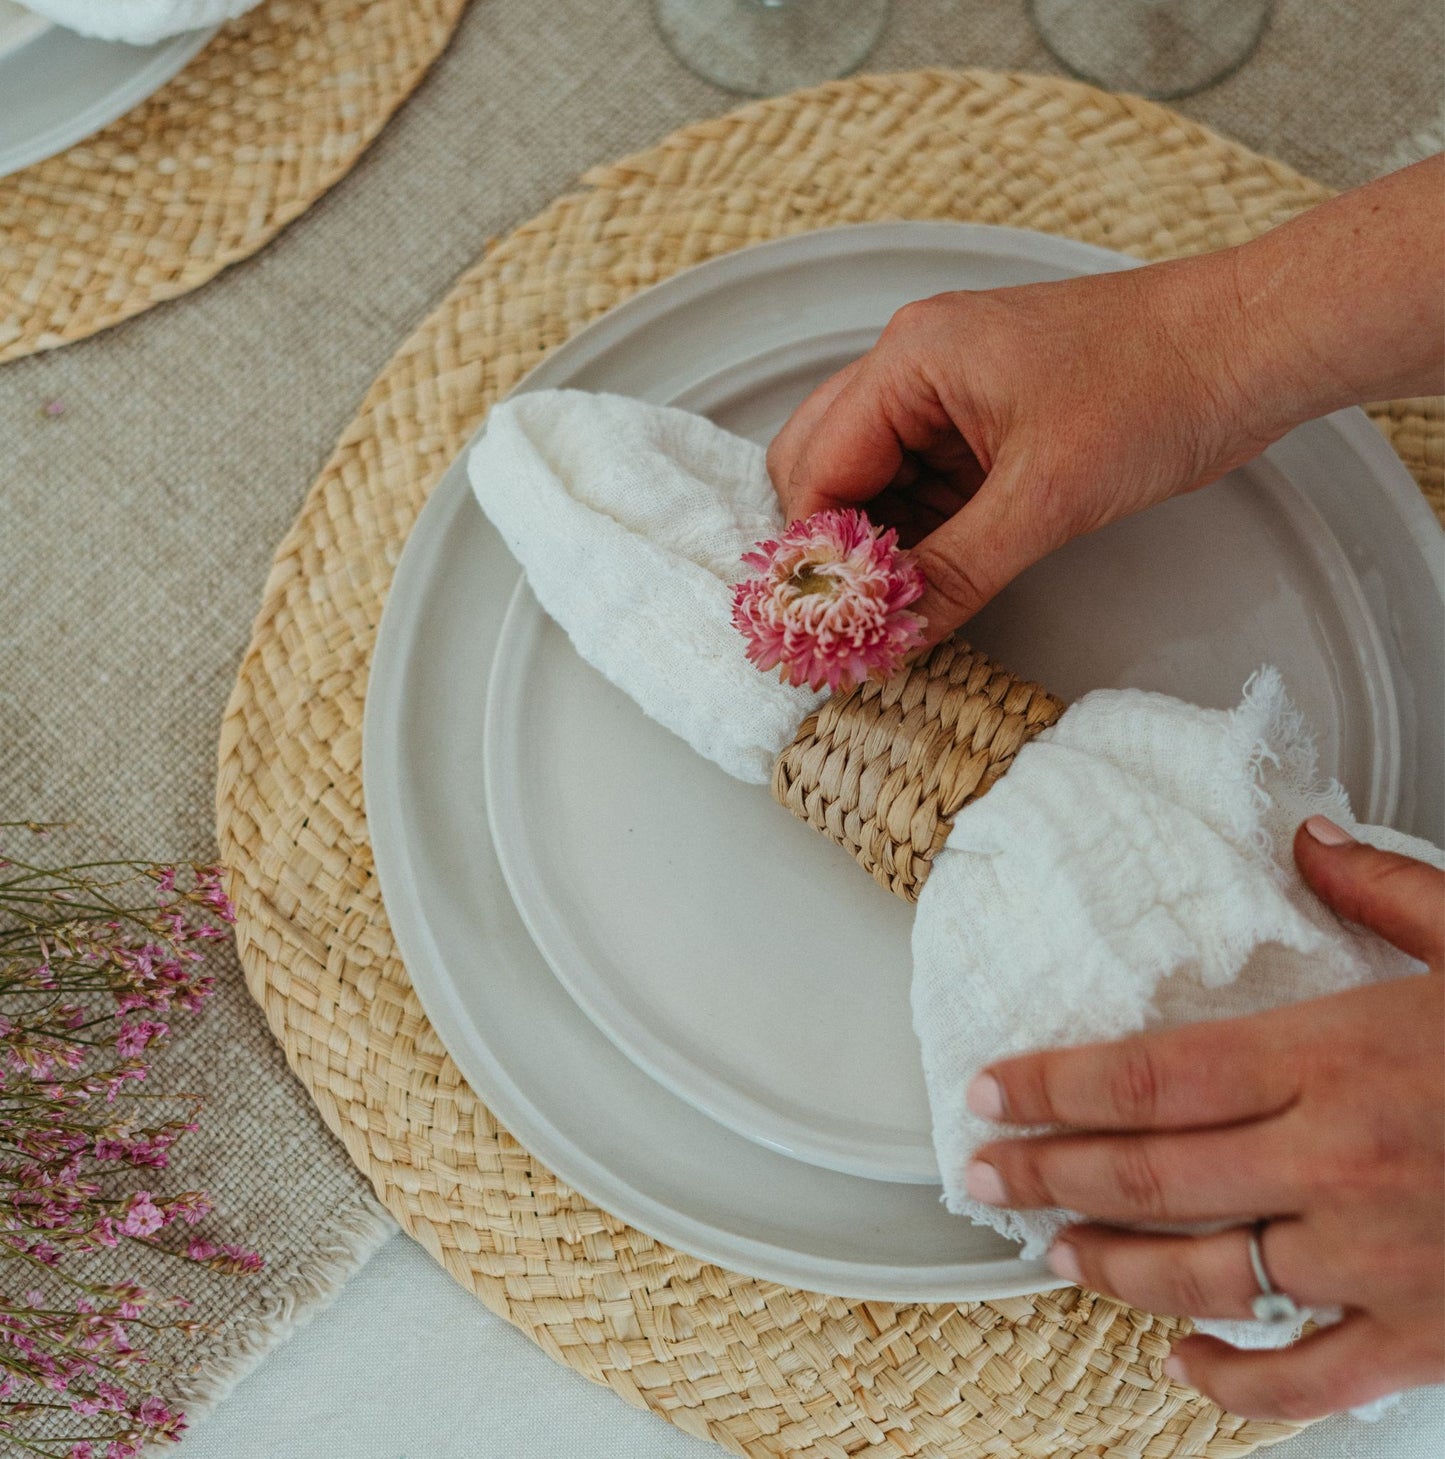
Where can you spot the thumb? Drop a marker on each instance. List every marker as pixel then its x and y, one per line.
pixel 1400 898
pixel 974 555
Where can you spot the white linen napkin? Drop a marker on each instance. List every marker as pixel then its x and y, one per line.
pixel 631 521
pixel 1132 870
pixel 140 22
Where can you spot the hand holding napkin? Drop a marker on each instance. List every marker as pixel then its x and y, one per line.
pixel 1133 867
pixel 140 22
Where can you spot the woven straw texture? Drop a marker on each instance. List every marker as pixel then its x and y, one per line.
pixel 274 110
pixel 762 1370
pixel 883 769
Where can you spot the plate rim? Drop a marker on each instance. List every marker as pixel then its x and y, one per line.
pixel 156 64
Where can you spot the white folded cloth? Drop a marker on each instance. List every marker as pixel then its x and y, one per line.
pixel 18 26
pixel 138 21
pixel 1133 868
pixel 631 521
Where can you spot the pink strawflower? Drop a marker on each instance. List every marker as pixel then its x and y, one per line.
pixel 828 602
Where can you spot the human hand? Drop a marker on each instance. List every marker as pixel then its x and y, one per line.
pixel 990 428
pixel 1325 1117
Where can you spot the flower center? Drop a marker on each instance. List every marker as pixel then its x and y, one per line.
pixel 807 580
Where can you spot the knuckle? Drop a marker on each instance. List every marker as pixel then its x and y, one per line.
pixel 1186 1291
pixel 1022 1164
pixel 1292 1398
pixel 916 315
pixel 1372 879
pixel 1136 1179
pixel 953 583
pixel 1134 1084
pixel 1028 1092
pixel 1376 1160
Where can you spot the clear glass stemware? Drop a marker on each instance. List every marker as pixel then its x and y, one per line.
pixel 1157 48
pixel 763 47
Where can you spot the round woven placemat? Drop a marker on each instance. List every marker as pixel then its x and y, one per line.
pixel 763 1370
pixel 273 111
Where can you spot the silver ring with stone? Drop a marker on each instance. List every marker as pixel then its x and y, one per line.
pixel 1272 1306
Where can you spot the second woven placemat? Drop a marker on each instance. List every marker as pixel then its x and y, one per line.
pixel 269 115
pixel 760 1369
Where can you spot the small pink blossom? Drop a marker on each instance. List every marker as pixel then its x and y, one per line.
pixel 132 1038
pixel 142 1215
pixel 828 602
pixel 191 1207
pixel 112 1397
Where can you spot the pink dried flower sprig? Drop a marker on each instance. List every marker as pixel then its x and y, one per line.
pixel 95 961
pixel 828 602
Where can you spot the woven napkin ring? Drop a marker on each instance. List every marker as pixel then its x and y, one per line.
pixel 883 769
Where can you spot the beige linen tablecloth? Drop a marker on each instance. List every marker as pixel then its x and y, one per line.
pixel 138 523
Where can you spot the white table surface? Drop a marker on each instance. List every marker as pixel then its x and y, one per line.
pixel 405 1365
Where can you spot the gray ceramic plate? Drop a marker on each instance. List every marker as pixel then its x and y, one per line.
pixel 57 87
pixel 686 1062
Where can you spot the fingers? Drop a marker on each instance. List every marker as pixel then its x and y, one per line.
pixel 1185 1276
pixel 1203 1074
pixel 976 553
pixel 1230 1174
pixel 788 445
pixel 847 441
pixel 1401 899
pixel 1339 1367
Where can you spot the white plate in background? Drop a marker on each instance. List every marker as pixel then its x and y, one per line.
pixel 58 87
pixel 737 958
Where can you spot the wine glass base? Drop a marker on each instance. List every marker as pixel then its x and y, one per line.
pixel 1162 49
pixel 765 47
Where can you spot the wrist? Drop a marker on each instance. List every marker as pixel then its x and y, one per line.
pixel 1341 305
pixel 1237 382
pixel 1282 318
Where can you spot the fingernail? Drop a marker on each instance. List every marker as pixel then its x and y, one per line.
pixel 1324 830
pixel 984 1183
pixel 1063 1261
pixel 1174 1368
pixel 984 1097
